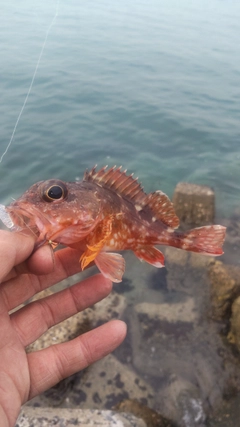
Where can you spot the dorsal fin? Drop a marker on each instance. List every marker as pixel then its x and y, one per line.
pixel 163 209
pixel 117 180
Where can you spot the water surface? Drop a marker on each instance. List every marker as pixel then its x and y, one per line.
pixel 153 86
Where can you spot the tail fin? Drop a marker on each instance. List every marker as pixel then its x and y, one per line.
pixel 207 240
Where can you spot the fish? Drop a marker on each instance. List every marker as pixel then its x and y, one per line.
pixel 105 213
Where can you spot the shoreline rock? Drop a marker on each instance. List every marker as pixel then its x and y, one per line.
pixel 42 417
pixel 194 204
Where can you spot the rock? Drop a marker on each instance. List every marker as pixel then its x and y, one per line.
pixel 227 415
pixel 50 417
pixel 101 386
pixel 186 271
pixel 110 307
pixel 225 286
pixel 234 333
pixel 141 278
pixel 182 400
pixel 151 417
pixel 176 256
pixel 182 355
pixel 168 312
pixel 194 204
pixel 180 258
pixel 157 333
pixel 232 240
pixel 108 382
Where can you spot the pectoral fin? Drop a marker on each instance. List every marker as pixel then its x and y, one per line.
pixel 94 247
pixel 111 265
pixel 151 255
pixel 87 257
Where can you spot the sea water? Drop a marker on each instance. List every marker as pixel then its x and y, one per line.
pixel 153 86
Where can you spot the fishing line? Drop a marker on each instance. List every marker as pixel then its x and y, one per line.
pixel 32 81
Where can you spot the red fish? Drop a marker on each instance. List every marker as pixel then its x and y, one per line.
pixel 108 211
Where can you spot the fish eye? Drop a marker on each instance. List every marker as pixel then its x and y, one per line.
pixel 54 190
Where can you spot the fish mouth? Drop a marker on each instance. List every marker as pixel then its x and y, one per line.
pixel 30 219
pixel 46 228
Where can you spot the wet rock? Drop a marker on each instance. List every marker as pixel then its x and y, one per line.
pixel 182 356
pixel 176 257
pixel 227 415
pixel 102 385
pixel 182 399
pixel 184 311
pixel 109 308
pixel 224 287
pixel 186 270
pixel 157 331
pixel 232 241
pixel 143 277
pixel 234 333
pixel 109 381
pixel 151 417
pixel 49 417
pixel 190 395
pixel 194 204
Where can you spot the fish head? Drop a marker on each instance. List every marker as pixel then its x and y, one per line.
pixel 56 211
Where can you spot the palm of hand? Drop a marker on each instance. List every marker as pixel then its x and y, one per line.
pixel 22 376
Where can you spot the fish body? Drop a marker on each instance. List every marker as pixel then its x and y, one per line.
pixel 108 211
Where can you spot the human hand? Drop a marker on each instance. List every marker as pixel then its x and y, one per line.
pixel 23 376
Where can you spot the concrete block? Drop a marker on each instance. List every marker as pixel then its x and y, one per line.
pixel 194 204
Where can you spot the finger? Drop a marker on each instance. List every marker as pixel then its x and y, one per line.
pixel 14 249
pixel 36 318
pixel 51 365
pixel 41 261
pixel 19 289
